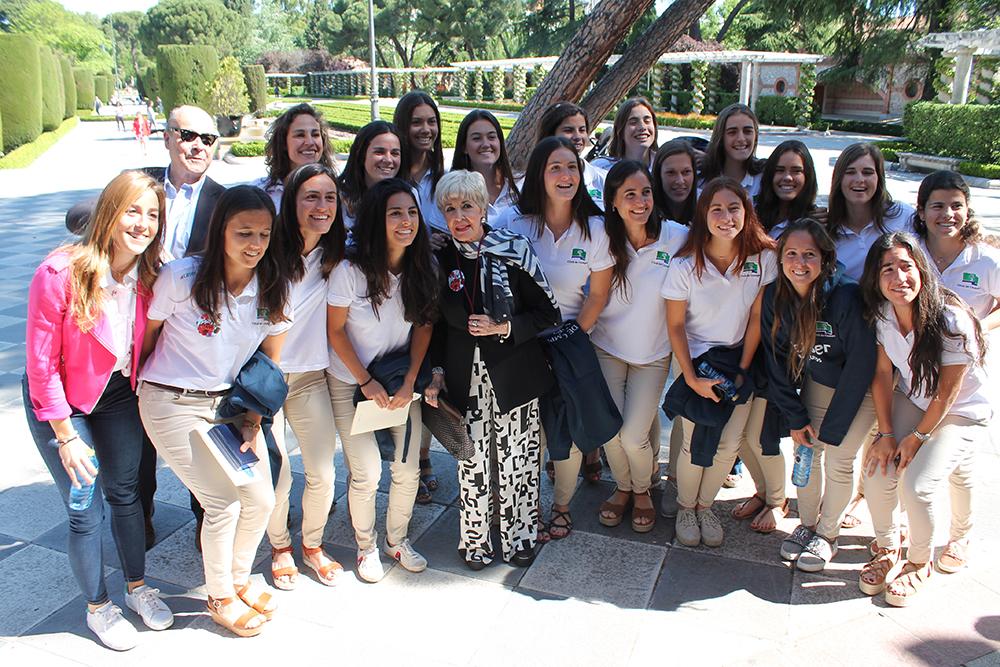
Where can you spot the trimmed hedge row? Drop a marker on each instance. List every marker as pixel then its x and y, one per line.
pixel 256 82
pixel 979 169
pixel 150 84
pixel 69 86
pixel 970 131
pixel 777 110
pixel 84 88
pixel 102 87
pixel 28 153
pixel 892 149
pixel 53 104
pixel 185 74
pixel 21 92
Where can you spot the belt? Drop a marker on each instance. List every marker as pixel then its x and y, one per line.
pixel 188 392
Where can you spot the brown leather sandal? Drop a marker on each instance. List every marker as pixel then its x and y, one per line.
pixel 900 591
pixel 284 578
pixel 878 571
pixel 328 574
pixel 615 510
pixel 750 507
pixel 243 626
pixel 782 510
pixel 640 513
pixel 258 599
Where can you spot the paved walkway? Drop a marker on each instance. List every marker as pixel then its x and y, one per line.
pixel 601 597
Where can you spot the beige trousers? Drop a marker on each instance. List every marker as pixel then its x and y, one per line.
pixel 365 465
pixel 636 390
pixel 310 414
pixel 767 472
pixel 676 432
pixel 947 455
pixel 235 516
pixel 697 485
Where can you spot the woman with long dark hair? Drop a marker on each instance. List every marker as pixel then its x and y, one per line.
pixel 382 302
pixel 87 308
pixel 675 169
pixel 208 316
pixel 375 156
pixel 788 188
pixel 714 288
pixel 570 121
pixel 820 355
pixel 298 136
pixel 480 147
pixel 565 227
pixel 633 135
pixel 630 338
pixel 419 123
pixel 731 150
pixel 310 239
pixel 932 423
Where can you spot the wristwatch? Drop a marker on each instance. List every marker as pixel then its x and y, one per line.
pixel 922 437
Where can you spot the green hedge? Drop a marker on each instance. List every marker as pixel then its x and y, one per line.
pixel 979 169
pixel 84 88
pixel 969 131
pixel 21 90
pixel 69 86
pixel 28 153
pixel 690 121
pixel 149 84
pixel 185 74
pixel 776 110
pixel 53 104
pixel 1 135
pixel 256 82
pixel 892 149
pixel 102 87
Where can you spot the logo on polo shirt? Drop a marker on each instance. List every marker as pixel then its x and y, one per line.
pixel 578 256
pixel 595 193
pixel 662 258
pixel 263 316
pixel 750 269
pixel 970 279
pixel 207 326
pixel 824 329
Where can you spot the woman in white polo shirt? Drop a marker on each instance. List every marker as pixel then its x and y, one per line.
pixel 480 147
pixel 418 121
pixel 930 426
pixel 570 121
pixel 381 301
pixel 714 287
pixel 375 156
pixel 633 135
pixel 311 243
pixel 208 316
pixel 732 148
pixel 630 337
pixel 298 136
pixel 567 231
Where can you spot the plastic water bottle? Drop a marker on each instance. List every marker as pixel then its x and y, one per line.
pixel 803 464
pixel 80 498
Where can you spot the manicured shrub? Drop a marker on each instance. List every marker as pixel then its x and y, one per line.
pixel 967 131
pixel 21 90
pixel 247 149
pixel 229 90
pixel 860 127
pixel 256 82
pixel 102 87
pixel 150 84
pixel 69 86
pixel 979 169
pixel 892 149
pixel 1 134
pixel 185 74
pixel 53 104
pixel 84 88
pixel 776 110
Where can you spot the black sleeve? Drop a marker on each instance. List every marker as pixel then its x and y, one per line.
pixel 537 312
pixel 860 353
pixel 781 390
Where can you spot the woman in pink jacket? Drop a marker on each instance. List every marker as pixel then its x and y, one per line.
pixel 86 320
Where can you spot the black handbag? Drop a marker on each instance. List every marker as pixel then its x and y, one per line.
pixel 447 424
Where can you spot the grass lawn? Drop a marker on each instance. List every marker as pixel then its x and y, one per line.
pixel 24 155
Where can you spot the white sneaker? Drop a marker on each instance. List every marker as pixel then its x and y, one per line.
pixel 146 602
pixel 370 565
pixel 406 555
pixel 112 628
pixel 711 529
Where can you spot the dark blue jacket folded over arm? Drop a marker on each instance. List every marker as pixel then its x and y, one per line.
pixel 842 358
pixel 708 416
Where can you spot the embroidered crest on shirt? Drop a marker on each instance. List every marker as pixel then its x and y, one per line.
pixel 595 193
pixel 824 329
pixel 750 269
pixel 456 280
pixel 970 279
pixel 578 256
pixel 207 326
pixel 662 258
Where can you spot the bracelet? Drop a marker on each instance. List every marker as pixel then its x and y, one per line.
pixel 880 434
pixel 254 425
pixel 922 437
pixel 437 370
pixel 75 436
pixel 368 381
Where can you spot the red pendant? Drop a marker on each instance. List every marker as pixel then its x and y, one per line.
pixel 456 280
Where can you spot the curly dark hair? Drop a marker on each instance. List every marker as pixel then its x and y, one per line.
pixel 279 165
pixel 945 179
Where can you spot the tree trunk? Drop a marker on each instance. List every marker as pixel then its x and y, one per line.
pixel 728 23
pixel 576 68
pixel 642 55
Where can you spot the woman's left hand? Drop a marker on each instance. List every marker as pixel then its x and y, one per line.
pixel 439 240
pixel 483 325
pixel 250 429
pixel 403 397
pixel 906 450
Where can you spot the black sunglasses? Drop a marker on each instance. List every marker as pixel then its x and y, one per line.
pixel 191 135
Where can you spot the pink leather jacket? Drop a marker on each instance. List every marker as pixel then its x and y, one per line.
pixel 66 367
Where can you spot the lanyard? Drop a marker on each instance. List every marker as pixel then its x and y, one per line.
pixel 475 281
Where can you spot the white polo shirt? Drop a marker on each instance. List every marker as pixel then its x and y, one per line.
pixel 119 308
pixel 718 306
pixel 852 247
pixel 568 261
pixel 751 183
pixel 305 346
pixel 633 326
pixel 972 401
pixel 371 335
pixel 495 211
pixel 428 209
pixel 191 352
pixel 593 178
pixel 974 276
pixel 275 191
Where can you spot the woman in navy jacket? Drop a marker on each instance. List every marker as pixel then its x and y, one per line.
pixel 815 338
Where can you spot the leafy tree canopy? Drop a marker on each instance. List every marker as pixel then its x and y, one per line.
pixel 77 35
pixel 192 22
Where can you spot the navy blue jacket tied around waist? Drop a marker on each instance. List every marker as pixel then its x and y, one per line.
pixel 579 409
pixel 260 386
pixel 709 417
pixel 390 371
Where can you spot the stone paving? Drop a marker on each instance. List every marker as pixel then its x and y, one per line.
pixel 600 597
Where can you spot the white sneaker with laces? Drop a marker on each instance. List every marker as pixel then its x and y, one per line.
pixel 686 527
pixel 146 602
pixel 406 555
pixel 112 628
pixel 370 565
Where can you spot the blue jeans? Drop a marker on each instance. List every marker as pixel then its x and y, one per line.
pixel 114 431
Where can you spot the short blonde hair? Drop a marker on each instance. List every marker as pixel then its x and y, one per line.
pixel 464 185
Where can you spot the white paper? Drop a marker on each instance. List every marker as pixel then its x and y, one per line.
pixel 237 477
pixel 370 417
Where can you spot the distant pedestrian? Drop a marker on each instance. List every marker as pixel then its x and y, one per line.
pixel 151 114
pixel 140 127
pixel 159 106
pixel 120 116
pixel 97 105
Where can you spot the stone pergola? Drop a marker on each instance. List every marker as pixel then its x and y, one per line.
pixel 963 47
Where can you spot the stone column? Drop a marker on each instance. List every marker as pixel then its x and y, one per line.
pixel 963 75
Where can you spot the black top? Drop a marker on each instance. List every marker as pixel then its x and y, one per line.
pixel 517 366
pixel 842 358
